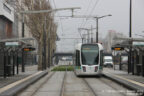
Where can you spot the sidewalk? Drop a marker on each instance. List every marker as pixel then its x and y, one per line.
pixel 10 86
pixel 130 81
pixel 29 70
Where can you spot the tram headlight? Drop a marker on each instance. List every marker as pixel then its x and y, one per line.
pixel 84 69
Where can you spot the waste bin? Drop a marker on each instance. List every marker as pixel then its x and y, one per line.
pixel 139 66
pixel 8 70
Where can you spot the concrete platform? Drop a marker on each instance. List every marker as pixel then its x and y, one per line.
pixel 29 70
pixel 12 85
pixel 132 82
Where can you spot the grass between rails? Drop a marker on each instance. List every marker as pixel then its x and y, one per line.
pixel 63 68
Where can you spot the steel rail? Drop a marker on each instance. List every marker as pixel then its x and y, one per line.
pixel 109 84
pixel 91 89
pixel 35 91
pixel 63 84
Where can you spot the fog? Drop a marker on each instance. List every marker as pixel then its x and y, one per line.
pixel 119 21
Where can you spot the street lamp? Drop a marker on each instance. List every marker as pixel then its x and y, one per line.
pixel 130 31
pixel 97 21
pixel 130 65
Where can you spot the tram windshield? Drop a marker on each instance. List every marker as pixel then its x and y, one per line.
pixel 90 54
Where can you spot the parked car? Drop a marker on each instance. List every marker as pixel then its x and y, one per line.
pixel 108 61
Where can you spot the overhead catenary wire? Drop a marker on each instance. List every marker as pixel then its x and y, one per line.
pixel 96 3
pixel 83 23
pixel 91 11
pixel 59 17
pixel 84 14
pixel 86 11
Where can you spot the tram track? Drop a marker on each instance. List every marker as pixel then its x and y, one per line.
pixel 109 83
pixel 94 90
pixel 41 87
pixel 70 85
pixel 42 84
pixel 91 89
pixel 63 84
pixel 36 89
pixel 113 85
pixel 107 87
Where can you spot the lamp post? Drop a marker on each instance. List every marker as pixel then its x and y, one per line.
pixel 95 17
pixel 130 30
pixel 97 26
pixel 130 65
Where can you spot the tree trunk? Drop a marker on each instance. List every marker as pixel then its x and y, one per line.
pixel 40 56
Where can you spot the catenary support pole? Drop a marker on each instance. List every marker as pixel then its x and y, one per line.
pixel 23 27
pixel 97 30
pixel 130 66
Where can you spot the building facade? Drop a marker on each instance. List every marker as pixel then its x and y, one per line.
pixel 6 20
pixel 109 40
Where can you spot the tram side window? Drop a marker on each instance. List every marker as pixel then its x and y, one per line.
pixel 77 58
pixel 101 58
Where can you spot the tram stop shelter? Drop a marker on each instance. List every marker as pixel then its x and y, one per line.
pixel 11 51
pixel 136 65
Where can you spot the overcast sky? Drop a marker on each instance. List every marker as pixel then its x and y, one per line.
pixel 119 21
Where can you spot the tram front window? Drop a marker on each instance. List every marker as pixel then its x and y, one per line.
pixel 90 55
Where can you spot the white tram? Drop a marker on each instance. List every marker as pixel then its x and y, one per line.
pixel 88 59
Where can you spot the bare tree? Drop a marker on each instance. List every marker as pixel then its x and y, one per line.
pixel 36 22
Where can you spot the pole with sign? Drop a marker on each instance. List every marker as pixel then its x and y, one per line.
pixel 118 48
pixel 28 49
pixel 12 44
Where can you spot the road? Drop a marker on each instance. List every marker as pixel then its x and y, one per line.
pixel 67 84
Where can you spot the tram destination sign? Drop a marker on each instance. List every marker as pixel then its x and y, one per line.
pixel 29 49
pixel 12 44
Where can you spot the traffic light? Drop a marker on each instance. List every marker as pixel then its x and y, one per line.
pixel 29 49
pixel 117 48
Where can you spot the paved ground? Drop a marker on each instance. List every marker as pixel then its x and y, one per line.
pixel 75 86
pixel 55 83
pixel 29 70
pixel 46 86
pixel 67 84
pixel 124 74
pixel 133 82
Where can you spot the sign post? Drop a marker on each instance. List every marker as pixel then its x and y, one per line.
pixel 28 49
pixel 118 48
